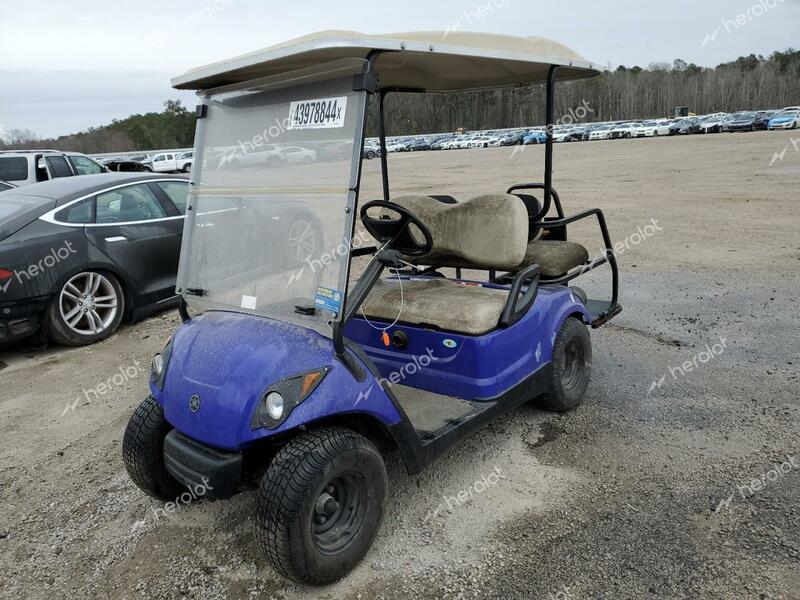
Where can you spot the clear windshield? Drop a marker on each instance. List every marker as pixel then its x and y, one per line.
pixel 268 231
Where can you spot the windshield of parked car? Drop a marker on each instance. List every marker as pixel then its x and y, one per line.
pixel 268 232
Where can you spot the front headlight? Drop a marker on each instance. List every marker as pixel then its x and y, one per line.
pixel 281 398
pixel 158 365
pixel 275 405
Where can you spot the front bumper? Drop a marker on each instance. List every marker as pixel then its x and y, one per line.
pixel 208 471
pixel 19 321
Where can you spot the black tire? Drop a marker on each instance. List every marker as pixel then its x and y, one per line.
pixel 312 474
pixel 187 168
pixel 572 367
pixel 148 169
pixel 143 452
pixel 61 333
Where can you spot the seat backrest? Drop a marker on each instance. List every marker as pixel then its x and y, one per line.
pixel 489 231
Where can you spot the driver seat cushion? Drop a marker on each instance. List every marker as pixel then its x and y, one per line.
pixel 438 302
pixel 555 257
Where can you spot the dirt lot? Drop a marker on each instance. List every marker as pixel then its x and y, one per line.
pixel 686 488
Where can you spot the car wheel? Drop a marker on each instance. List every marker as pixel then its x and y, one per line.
pixel 320 505
pixel 303 241
pixel 187 168
pixel 655 134
pixel 143 452
pixel 571 367
pixel 370 155
pixel 87 308
pixel 148 169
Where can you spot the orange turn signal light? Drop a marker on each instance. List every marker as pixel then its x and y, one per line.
pixel 386 339
pixel 309 381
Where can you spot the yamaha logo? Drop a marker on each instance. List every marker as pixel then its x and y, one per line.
pixel 194 403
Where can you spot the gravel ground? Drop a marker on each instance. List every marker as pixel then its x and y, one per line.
pixel 668 482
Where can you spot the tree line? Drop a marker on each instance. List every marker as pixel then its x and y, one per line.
pixel 748 83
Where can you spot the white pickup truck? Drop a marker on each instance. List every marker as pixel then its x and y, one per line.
pixel 171 162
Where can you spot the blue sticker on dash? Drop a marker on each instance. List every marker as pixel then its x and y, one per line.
pixel 448 343
pixel 328 299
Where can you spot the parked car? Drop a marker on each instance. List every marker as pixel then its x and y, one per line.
pixel 419 145
pixel 185 161
pixel 600 133
pixel 297 155
pixel 25 167
pixel 372 149
pixel 786 119
pixel 623 130
pixel 126 166
pixel 269 155
pixel 79 255
pixel 685 126
pixel 4 185
pixel 651 129
pixel 763 117
pixel 713 123
pixel 745 121
pixel 535 136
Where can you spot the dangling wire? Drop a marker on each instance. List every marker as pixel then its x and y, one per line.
pixel 402 299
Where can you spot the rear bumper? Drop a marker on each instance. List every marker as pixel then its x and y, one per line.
pixel 196 465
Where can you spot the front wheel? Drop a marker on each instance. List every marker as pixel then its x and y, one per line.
pixel 320 505
pixel 143 452
pixel 572 367
pixel 88 308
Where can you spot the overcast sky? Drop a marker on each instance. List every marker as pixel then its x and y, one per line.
pixel 66 66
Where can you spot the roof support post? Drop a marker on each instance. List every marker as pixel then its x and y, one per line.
pixel 548 148
pixel 382 135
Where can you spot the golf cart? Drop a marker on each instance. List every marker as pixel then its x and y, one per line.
pixel 290 373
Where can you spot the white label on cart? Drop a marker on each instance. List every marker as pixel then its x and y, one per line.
pixel 322 113
pixel 249 302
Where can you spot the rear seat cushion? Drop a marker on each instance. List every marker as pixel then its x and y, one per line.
pixel 489 231
pixel 442 303
pixel 555 257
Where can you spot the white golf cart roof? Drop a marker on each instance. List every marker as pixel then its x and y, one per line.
pixel 424 60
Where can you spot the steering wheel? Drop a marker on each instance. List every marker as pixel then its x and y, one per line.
pixel 395 232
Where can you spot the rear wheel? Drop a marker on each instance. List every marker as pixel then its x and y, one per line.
pixel 320 505
pixel 572 367
pixel 143 452
pixel 187 168
pixel 88 308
